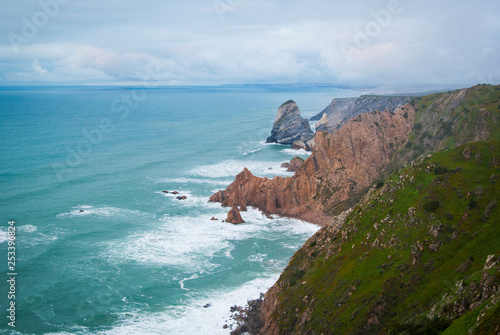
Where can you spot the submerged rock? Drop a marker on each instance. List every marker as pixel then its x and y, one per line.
pixel 289 127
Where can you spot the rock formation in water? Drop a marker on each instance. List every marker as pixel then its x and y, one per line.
pixel 290 128
pixel 341 110
pixel 234 216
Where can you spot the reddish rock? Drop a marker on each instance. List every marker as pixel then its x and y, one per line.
pixel 165 192
pixel 214 219
pixel 294 164
pixel 175 192
pixel 342 165
pixel 182 198
pixel 234 216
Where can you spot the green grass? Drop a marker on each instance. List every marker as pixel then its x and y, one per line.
pixel 385 281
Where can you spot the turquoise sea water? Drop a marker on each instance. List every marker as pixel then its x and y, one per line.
pixel 136 260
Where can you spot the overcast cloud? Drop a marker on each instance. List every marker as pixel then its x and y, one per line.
pixel 420 43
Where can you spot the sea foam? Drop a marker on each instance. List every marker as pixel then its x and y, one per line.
pixel 86 210
pixel 193 317
pixel 230 168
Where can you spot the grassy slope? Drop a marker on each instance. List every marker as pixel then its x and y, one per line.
pixel 379 273
pixel 441 123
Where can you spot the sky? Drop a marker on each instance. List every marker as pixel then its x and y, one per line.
pixel 389 43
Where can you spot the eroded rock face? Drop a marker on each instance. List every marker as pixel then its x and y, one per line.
pixel 289 127
pixel 234 216
pixel 342 164
pixel 294 164
pixel 341 110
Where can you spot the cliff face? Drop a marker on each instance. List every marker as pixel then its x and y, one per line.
pixel 342 165
pixel 418 253
pixel 289 127
pixel 341 110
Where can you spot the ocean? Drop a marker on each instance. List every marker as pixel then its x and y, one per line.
pixel 100 249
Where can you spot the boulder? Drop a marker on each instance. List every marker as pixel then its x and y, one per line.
pixel 182 198
pixel 294 164
pixel 289 127
pixel 234 216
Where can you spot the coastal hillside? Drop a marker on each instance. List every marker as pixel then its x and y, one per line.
pixel 411 235
pixel 419 254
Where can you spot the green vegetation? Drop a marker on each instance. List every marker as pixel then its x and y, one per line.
pixel 446 120
pixel 410 256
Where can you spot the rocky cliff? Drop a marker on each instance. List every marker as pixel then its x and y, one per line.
pixel 342 165
pixel 290 128
pixel 419 254
pixel 413 252
pixel 341 110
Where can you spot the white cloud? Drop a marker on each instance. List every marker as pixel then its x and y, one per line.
pixel 435 43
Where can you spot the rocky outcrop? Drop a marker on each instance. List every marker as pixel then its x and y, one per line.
pixel 294 164
pixel 234 216
pixel 341 110
pixel 342 164
pixel 382 266
pixel 290 128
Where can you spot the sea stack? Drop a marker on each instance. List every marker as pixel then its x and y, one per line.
pixel 290 128
pixel 234 216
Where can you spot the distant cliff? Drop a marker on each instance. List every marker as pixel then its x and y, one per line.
pixel 290 128
pixel 341 110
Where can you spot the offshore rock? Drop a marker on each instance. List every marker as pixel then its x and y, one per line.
pixel 234 216
pixel 289 127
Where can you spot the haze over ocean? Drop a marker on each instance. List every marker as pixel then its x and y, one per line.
pixel 100 248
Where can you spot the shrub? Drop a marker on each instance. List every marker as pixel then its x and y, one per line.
pixel 472 203
pixel 431 206
pixel 440 170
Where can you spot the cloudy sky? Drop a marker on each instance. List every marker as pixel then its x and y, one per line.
pixel 447 43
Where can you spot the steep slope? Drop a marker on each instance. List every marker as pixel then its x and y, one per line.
pixel 341 110
pixel 420 251
pixel 446 120
pixel 419 254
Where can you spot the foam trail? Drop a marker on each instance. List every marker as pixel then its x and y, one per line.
pixel 181 282
pixel 296 152
pixel 106 211
pixel 4 237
